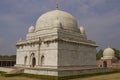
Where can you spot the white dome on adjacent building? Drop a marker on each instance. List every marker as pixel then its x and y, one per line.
pixel 31 29
pixel 108 53
pixel 47 20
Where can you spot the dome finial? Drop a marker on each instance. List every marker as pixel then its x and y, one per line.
pixel 57 7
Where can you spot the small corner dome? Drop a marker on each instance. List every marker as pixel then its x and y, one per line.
pixel 31 29
pixel 82 30
pixel 48 20
pixel 109 52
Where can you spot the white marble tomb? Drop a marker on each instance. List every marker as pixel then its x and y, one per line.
pixel 56 41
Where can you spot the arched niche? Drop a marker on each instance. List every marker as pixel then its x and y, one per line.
pixel 42 60
pixel 25 60
pixel 32 60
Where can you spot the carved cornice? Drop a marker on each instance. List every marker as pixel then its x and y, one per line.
pixel 27 42
pixel 89 43
pixel 55 39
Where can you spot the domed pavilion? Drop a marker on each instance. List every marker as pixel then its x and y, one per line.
pixel 56 45
pixel 108 60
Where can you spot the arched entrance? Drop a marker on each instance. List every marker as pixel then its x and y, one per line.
pixel 25 61
pixel 42 60
pixel 104 64
pixel 33 62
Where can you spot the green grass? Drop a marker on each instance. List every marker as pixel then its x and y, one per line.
pixel 113 76
pixel 46 77
pixel 33 76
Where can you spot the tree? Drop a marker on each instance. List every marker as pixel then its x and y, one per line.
pixel 117 53
pixel 99 54
pixel 7 57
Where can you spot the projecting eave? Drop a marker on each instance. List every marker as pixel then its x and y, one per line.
pixel 89 43
pixel 24 42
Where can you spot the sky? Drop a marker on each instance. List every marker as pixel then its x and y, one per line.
pixel 101 20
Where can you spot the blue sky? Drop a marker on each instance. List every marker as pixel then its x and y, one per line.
pixel 101 20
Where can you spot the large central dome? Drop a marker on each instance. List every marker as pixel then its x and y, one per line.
pixel 48 20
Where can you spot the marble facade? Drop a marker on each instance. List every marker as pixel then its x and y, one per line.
pixel 56 42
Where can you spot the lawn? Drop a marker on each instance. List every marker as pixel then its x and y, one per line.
pixel 16 78
pixel 115 76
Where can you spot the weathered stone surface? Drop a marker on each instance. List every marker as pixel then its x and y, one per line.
pixel 56 45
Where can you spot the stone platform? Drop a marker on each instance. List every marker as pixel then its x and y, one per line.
pixel 55 72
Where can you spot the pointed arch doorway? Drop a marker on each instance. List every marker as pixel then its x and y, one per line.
pixel 42 60
pixel 25 61
pixel 104 64
pixel 33 62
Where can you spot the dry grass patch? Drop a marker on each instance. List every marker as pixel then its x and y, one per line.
pixel 115 76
